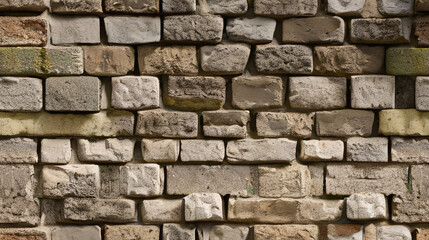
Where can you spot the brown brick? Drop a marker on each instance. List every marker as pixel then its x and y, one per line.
pixel 108 60
pixel 23 31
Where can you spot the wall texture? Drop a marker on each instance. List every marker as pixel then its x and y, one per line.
pixel 215 119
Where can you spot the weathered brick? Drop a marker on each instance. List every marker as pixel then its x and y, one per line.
pixel 18 150
pixel 78 94
pixel 23 5
pixel 23 31
pixel 322 150
pixel 393 232
pixel 343 8
pixel 267 232
pixel 370 10
pixel 111 150
pixel 367 206
pixel 55 151
pixel 193 28
pixel 422 98
pixel 422 5
pixel 322 29
pixel 73 180
pixel 179 6
pixel 21 94
pixel 340 123
pixel 395 7
pixel 203 207
pixel 130 232
pixel 105 123
pixel 226 7
pixel 317 172
pixel 285 8
pixel 202 150
pixel 345 231
pixel 162 210
pixel 251 30
pixel 178 231
pixel 160 150
pixel 175 60
pixel 108 60
pixel 283 210
pixel 142 180
pixel 131 6
pixel 407 61
pixel 373 91
pixel 224 58
pixel 350 59
pixel 226 123
pixel 284 59
pixel 405 89
pixel 422 233
pixel 256 92
pixel 380 31
pixel 255 151
pixel 76 7
pixel 76 29
pixel 110 187
pixel 349 179
pixel 76 232
pixel 317 92
pixel 420 31
pixel 162 123
pixel 132 30
pixel 367 149
pixel 410 150
pixel 135 92
pixel 195 93
pixel 288 124
pixel 227 231
pixel 403 122
pixel 23 234
pixel 222 179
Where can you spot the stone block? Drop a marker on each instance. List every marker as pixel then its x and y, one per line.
pixel 99 210
pixel 142 180
pixel 110 187
pixel 76 232
pixel 160 150
pixel 108 60
pixel 348 179
pixel 225 123
pixel 111 150
pixel 323 29
pixel 257 92
pixel 380 31
pixel 135 92
pixel 267 232
pixel 178 231
pixel 284 124
pixel 202 150
pixel 131 6
pixel 405 89
pixel 23 234
pixel 162 210
pixel 21 94
pixel 75 29
pixel 255 151
pixel 373 91
pixel 393 232
pixel 420 31
pixel 72 94
pixel 413 208
pixel 343 123
pixel 23 31
pixel 23 5
pixel 76 7
pixel 421 233
pixel 203 207
pixel 291 181
pixel 251 30
pixel 131 232
pixel 370 10
pixel 132 30
pixel 403 122
pixel 18 150
pixel 348 59
pixel 226 7
pixel 162 123
pixel 193 28
pixel 317 172
pixel 222 179
pixel 422 98
pixel 345 232
pixel 227 231
pixel 55 151
pixel 407 61
pixel 285 8
pixel 72 180
pixel 195 93
pixel 422 5
pixel 410 150
pixel 171 60
pixel 322 150
pixel 317 92
pixel 368 149
pixel 346 8
pixel 284 59
pixel 367 206
pixel 396 7
pixel 179 6
pixel 224 58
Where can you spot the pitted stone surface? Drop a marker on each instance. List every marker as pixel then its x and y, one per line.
pixel 109 150
pixel 251 30
pixel 21 94
pixel 135 92
pixel 289 124
pixel 142 180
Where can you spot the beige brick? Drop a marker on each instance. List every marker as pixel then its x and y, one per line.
pixel 373 91
pixel 410 150
pixel 202 150
pixel 267 232
pixel 76 232
pixel 367 206
pixel 162 210
pixel 160 150
pixel 367 149
pixel 76 7
pixel 55 151
pixel 403 122
pixel 203 207
pixel 129 6
pixel 345 231
pixel 131 232
pixel 193 28
pixel 288 124
pixel 225 123
pixel 108 60
pixel 343 123
pixel 142 180
pixel 18 150
pixel 322 150
pixel 285 8
pixel 111 150
pixel 224 58
pixel 227 231
pixel 173 231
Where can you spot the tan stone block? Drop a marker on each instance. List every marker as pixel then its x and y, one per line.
pixel 344 123
pixel 345 231
pixel 108 60
pixel 131 6
pixel 131 232
pixel 225 123
pixel 288 124
pixel 403 122
pixel 292 231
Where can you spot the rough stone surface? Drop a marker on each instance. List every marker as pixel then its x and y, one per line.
pixel 179 6
pixel 322 29
pixel 251 30
pixel 395 7
pixel 21 31
pixel 178 231
pixel 367 149
pixel 108 60
pixel 346 60
pixel 317 92
pixel 322 150
pixel 403 122
pixel 76 7
pixel 131 232
pixel 110 187
pixel 288 124
pixel 285 8
pixel 405 89
pixel 420 31
pixel 130 6
pixel 72 180
pixel 73 30
pixel 410 150
pixel 142 180
pixel 72 94
pixel 193 28
pixel 421 5
pixel 393 232
pixel 225 7
pixel 345 232
pixel 23 5
pixel 256 92
pixel 422 233
pixel 176 60
pixel 161 123
pixel 344 123
pixel 162 210
pixel 422 98
pixel 111 150
pixel 380 31
pixel 21 94
pixel 23 234
pixel 407 61
pixel 226 123
pixel 346 8
pixel 195 93
pixel 284 59
pixel 219 232
pixel 18 150
pixel 203 207
pixel 224 58
pixel 76 232
pixel 55 151
pixel 222 179
pixel 135 92
pixel 373 91
pixel 349 179
pixel 132 30
pixel 202 150
pixel 299 232
pixel 160 150
pixel 317 172
pixel 367 206
pixel 252 151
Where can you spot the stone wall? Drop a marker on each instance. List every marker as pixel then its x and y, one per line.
pixel 214 119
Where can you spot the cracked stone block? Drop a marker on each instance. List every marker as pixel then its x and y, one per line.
pixel 135 92
pixel 285 8
pixel 75 29
pixel 111 150
pixel 76 7
pixel 55 151
pixel 131 6
pixel 109 60
pixel 19 94
pixel 202 150
pixel 224 58
pixel 373 91
pixel 288 124
pixel 380 31
pixel 322 150
pixel 179 6
pixel 131 232
pixel 225 123
pixel 171 231
pixel 162 210
pixel 18 150
pixel 193 28
pixel 367 206
pixel 23 31
pixel 76 232
pixel 367 149
pixel 203 207
pixel 142 180
pixel 160 150
pixel 267 232
pixel 345 232
pixel 251 30
pixel 344 123
pixel 132 30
